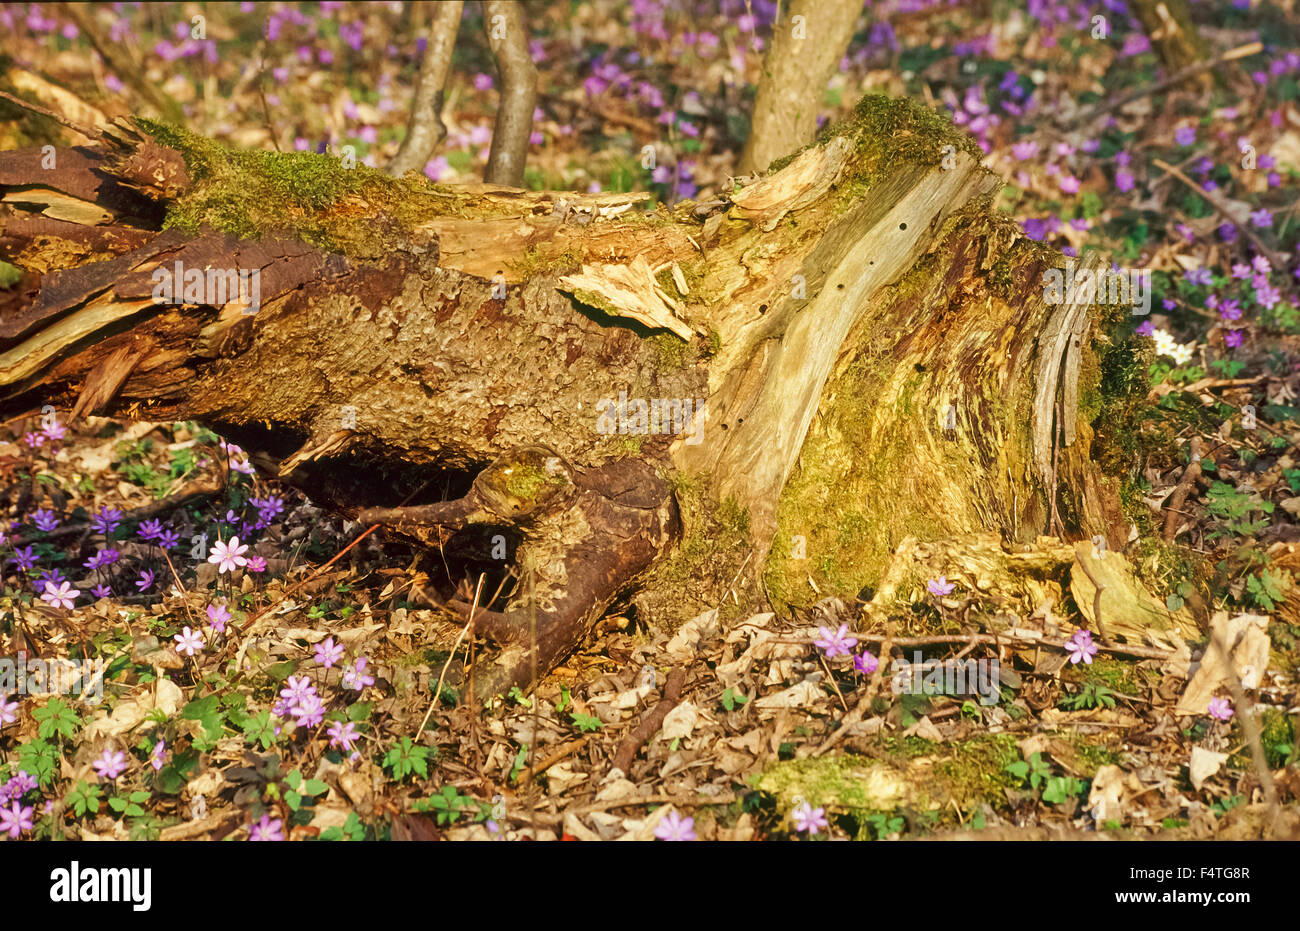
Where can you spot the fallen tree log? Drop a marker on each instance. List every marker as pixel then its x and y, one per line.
pixel 852 350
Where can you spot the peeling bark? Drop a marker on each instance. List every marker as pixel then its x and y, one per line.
pixel 856 335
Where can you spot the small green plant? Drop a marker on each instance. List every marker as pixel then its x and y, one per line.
pixel 518 697
pixel 129 805
pixel 520 758
pixel 40 760
pixel 447 805
pixel 587 722
pixel 883 826
pixel 83 797
pixel 565 699
pixel 731 699
pixel 1224 805
pixel 1090 696
pixel 302 790
pixel 1233 508
pixel 1035 769
pixel 56 718
pixel 1059 788
pixel 352 829
pixel 406 757
pixel 1269 588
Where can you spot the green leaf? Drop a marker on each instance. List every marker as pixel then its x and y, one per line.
pixel 587 722
pixel 56 717
pixel 40 760
pixel 208 713
pixel 314 787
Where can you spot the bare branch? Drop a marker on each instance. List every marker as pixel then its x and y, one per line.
pixel 504 22
pixel 424 128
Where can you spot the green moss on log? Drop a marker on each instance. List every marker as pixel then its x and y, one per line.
pixel 251 193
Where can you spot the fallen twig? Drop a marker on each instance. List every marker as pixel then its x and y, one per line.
pixel 651 723
pixel 1216 200
pixel 1089 114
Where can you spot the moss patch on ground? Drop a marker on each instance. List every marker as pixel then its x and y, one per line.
pixel 909 775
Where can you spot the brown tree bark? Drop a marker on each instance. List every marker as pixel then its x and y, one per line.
pixel 854 350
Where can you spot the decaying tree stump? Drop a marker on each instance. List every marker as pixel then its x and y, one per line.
pixel 852 350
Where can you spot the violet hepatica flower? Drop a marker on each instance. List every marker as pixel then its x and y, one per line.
pixel 168 539
pixel 673 827
pixel 807 820
pixel 355 677
pixel 837 643
pixel 157 755
pixel 865 663
pixel 15 819
pixel 267 829
pixel 328 652
pixel 149 530
pixel 218 615
pixel 343 734
pixel 45 520
pixel 8 711
pixel 110 765
pixel 299 687
pixel 106 520
pixel 145 582
pixel 1220 709
pixel 1080 647
pixel 189 642
pixel 308 710
pixel 1185 135
pixel 1232 338
pixel 940 587
pixel 103 557
pixel 256 564
pixel 101 591
pixel 25 557
pixel 60 597
pixel 229 556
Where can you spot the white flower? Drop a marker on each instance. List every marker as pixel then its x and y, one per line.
pixel 229 556
pixel 1166 345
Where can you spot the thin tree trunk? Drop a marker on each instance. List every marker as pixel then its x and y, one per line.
pixel 424 127
pixel 508 35
pixel 807 46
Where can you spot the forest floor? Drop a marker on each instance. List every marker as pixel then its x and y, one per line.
pixel 287 690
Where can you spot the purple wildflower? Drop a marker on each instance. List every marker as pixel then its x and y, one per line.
pixel 328 652
pixel 673 827
pixel 808 819
pixel 1081 647
pixel 837 643
pixel 106 520
pixel 110 765
pixel 266 830
pixel 940 587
